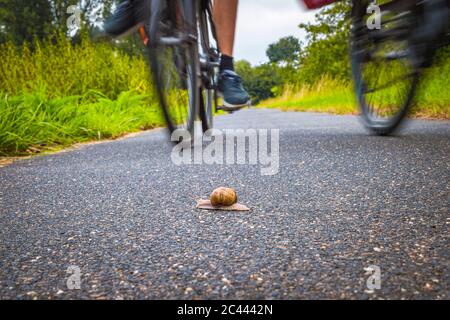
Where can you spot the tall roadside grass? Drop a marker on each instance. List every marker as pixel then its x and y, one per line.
pixel 58 93
pixel 326 95
pixel 63 69
pixel 33 122
pixel 432 99
pixel 433 96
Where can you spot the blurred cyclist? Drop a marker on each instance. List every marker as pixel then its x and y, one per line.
pixel 131 14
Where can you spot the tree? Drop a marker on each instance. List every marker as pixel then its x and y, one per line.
pixel 258 81
pixel 330 21
pixel 22 20
pixel 93 12
pixel 327 44
pixel 286 50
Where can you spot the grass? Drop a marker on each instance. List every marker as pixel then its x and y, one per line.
pixel 333 96
pixel 58 93
pixel 327 95
pixel 33 123
pixel 63 69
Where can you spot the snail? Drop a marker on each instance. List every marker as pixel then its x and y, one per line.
pixel 223 197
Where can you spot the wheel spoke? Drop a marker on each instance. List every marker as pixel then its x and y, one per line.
pixel 390 83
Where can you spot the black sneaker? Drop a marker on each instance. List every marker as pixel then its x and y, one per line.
pixel 231 90
pixel 129 15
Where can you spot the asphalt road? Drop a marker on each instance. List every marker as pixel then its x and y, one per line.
pixel 125 215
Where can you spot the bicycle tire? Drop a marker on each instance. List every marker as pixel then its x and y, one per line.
pixel 375 120
pixel 175 63
pixel 208 94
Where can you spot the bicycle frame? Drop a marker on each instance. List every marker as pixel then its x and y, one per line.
pixel 180 36
pixel 157 6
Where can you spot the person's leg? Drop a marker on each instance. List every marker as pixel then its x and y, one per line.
pixel 230 84
pixel 225 14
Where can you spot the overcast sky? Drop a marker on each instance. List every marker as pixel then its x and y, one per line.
pixel 262 22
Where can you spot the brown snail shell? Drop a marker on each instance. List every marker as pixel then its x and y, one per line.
pixel 223 197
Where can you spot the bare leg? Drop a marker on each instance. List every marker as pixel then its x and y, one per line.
pixel 225 14
pixel 232 91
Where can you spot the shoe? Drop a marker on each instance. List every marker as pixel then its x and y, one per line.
pixel 127 17
pixel 232 91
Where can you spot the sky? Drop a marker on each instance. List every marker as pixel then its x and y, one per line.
pixel 262 22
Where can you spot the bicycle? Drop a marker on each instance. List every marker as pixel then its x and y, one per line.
pixel 184 60
pixel 392 58
pixel 388 60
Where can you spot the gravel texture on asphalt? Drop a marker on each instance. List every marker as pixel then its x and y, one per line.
pixel 125 215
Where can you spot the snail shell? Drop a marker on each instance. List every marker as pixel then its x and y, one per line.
pixel 223 197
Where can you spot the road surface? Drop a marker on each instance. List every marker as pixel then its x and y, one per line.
pixel 125 215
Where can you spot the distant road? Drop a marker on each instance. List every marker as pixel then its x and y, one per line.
pixel 124 214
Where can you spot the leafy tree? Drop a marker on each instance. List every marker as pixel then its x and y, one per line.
pixel 329 21
pixel 327 44
pixel 92 11
pixel 22 20
pixel 260 80
pixel 286 50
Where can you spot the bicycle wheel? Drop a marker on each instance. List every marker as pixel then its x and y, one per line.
pixel 383 65
pixel 209 63
pixel 173 54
